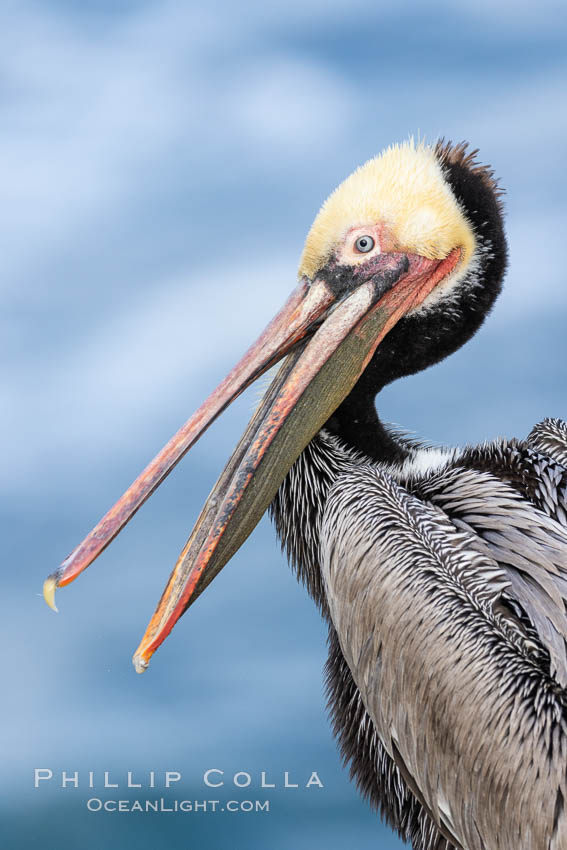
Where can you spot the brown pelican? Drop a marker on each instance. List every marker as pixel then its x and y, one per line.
pixel 442 573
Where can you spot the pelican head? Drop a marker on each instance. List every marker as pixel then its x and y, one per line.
pixel 400 267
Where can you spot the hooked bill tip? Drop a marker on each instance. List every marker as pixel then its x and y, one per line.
pixel 140 664
pixel 49 588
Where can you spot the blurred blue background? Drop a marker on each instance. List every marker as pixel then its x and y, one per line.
pixel 161 165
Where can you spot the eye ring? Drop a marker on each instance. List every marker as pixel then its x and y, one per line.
pixel 364 244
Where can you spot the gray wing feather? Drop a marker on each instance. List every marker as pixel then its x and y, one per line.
pixel 458 697
pixel 528 544
pixel 550 438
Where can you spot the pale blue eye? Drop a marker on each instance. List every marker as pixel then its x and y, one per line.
pixel 364 244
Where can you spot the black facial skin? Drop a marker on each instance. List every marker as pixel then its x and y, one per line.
pixel 418 341
pixel 341 279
